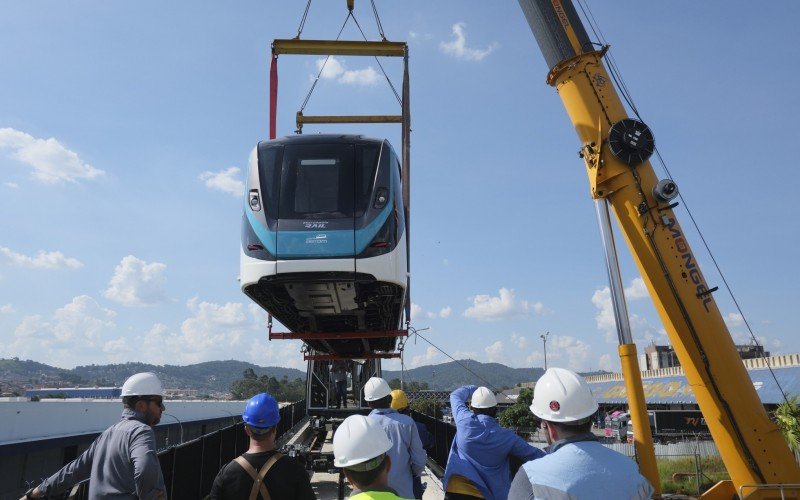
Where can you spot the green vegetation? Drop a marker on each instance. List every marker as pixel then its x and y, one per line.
pixel 411 386
pixel 679 475
pixel 283 390
pixel 519 415
pixel 787 416
pixel 430 407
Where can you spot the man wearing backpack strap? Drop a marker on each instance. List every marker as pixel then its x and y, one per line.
pixel 262 472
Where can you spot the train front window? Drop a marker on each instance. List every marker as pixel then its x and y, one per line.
pixel 327 181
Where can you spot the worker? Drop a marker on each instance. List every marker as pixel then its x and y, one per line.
pixel 577 465
pixel 122 462
pixel 363 450
pixel 400 403
pixel 262 472
pixel 408 456
pixel 339 377
pixel 478 464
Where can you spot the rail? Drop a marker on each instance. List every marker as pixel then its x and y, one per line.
pixel 189 469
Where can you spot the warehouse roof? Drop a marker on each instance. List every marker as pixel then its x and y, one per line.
pixel 675 389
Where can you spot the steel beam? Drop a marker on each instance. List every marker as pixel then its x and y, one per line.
pixel 333 357
pixel 336 335
pixel 339 47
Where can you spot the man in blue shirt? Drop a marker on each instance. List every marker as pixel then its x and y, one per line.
pixel 478 465
pixel 577 465
pixel 406 454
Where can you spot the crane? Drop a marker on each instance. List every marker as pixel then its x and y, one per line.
pixel 615 149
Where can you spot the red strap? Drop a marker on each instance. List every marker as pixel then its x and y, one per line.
pixel 273 95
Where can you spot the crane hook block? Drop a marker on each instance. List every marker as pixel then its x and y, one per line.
pixel 631 141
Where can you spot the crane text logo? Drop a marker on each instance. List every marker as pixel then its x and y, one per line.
pixel 689 263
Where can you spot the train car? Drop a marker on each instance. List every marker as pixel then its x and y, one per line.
pixel 323 238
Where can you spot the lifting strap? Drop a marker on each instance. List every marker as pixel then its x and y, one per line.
pixel 273 95
pixel 258 477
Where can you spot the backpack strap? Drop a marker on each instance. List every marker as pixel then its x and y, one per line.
pixel 258 477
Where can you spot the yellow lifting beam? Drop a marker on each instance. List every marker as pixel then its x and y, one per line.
pixel 339 48
pixel 322 119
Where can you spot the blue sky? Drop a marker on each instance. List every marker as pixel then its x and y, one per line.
pixel 125 128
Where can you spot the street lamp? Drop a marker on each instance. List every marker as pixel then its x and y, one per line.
pixel 544 343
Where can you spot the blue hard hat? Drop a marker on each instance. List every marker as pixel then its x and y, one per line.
pixel 261 411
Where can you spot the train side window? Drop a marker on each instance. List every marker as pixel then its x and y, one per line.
pixel 269 167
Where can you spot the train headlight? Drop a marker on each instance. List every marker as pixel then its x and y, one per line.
pixel 254 200
pixel 381 197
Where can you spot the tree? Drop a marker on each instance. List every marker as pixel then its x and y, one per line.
pixel 519 415
pixel 430 407
pixel 787 416
pixel 394 383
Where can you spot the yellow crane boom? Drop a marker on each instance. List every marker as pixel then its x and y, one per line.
pixel 615 149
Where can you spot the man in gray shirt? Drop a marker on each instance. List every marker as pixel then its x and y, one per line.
pixel 122 462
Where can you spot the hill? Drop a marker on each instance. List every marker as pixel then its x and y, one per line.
pixel 208 377
pixel 448 376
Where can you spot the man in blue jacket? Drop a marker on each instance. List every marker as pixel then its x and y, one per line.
pixel 407 456
pixel 478 465
pixel 577 465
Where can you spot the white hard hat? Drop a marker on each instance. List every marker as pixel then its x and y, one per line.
pixel 376 388
pixel 142 384
pixel 562 395
pixel 358 441
pixel 483 398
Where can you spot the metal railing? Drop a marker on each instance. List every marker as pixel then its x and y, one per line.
pixel 189 469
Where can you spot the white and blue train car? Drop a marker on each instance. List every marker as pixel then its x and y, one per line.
pixel 324 237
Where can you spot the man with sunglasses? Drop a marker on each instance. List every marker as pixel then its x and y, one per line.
pixel 122 462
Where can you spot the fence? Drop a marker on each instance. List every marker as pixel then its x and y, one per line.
pixel 189 469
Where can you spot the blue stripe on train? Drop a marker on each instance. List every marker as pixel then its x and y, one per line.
pixel 310 244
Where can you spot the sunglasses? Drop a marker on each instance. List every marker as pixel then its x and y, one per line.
pixel 157 401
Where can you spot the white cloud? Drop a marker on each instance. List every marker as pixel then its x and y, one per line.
pixel 225 180
pixel 335 69
pixel 431 356
pixel 519 341
pixel 7 309
pixel 457 47
pixel 136 283
pixel 609 363
pixel 50 160
pixel 734 320
pixel 576 352
pixel 117 346
pixel 430 315
pixel 11 185
pixel 494 352
pixel 416 311
pixel 42 260
pixel 504 306
pixel 74 334
pixel 640 326
pixel 445 312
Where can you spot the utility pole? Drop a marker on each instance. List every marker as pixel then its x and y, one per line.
pixel 544 344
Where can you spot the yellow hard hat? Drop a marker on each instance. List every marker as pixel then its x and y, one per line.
pixel 399 399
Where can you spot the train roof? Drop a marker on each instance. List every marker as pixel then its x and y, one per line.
pixel 324 139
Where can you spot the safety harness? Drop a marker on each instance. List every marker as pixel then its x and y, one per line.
pixel 258 477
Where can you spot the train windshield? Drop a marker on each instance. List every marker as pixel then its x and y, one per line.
pixel 328 181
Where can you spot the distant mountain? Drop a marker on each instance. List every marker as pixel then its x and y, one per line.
pixel 449 376
pixel 217 376
pixel 209 377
